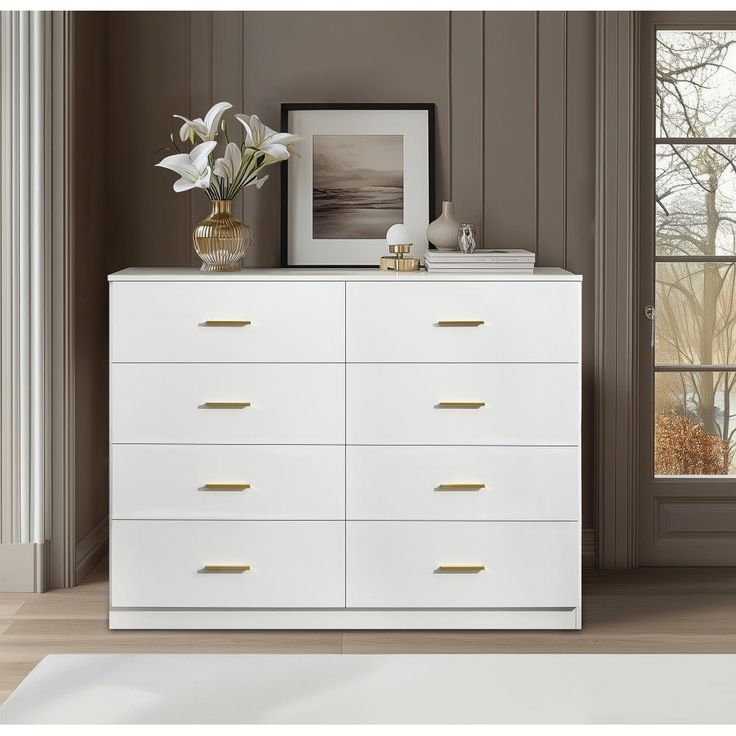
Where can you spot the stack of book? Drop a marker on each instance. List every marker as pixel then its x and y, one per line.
pixel 513 260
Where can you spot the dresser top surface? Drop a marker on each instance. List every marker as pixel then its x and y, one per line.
pixel 333 274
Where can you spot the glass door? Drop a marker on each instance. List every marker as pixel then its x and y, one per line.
pixel 688 250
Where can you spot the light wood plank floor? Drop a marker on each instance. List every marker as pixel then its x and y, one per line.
pixel 646 610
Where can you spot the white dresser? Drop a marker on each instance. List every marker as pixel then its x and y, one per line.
pixel 344 449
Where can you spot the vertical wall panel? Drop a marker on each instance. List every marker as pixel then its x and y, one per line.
pixel 510 130
pixel 148 221
pixel 200 95
pixel 616 279
pixel 580 211
pixel 227 75
pixel 466 110
pixel 90 231
pixel 552 146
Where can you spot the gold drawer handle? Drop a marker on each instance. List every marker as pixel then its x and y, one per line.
pixel 225 323
pixel 225 487
pixel 460 405
pixel 225 405
pixel 460 323
pixel 460 487
pixel 461 568
pixel 226 568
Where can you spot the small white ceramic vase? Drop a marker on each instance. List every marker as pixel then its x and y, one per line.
pixel 442 233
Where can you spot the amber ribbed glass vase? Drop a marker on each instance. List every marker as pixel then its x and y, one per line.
pixel 220 239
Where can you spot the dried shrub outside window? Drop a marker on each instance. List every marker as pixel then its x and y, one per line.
pixel 683 447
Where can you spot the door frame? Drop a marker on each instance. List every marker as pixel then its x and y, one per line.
pixel 617 324
pixel 654 548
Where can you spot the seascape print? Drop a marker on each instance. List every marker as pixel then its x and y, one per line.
pixel 358 186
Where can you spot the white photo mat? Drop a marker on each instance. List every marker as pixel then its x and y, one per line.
pixel 302 249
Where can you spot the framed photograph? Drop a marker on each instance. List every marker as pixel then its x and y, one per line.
pixel 361 168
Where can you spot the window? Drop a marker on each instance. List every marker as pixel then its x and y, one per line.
pixel 695 253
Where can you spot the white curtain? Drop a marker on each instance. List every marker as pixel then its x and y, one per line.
pixel 26 250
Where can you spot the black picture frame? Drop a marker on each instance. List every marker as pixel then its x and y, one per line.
pixel 287 107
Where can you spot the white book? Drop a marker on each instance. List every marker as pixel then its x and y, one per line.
pixel 480 252
pixel 519 268
pixel 479 257
pixel 476 265
pixel 480 264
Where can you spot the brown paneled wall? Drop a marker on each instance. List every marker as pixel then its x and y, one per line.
pixel 515 96
pixel 90 227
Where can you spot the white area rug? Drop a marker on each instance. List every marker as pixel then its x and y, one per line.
pixel 410 688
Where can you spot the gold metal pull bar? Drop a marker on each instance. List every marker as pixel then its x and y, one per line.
pixel 461 568
pixel 225 405
pixel 460 487
pixel 226 568
pixel 225 487
pixel 225 323
pixel 460 323
pixel 460 405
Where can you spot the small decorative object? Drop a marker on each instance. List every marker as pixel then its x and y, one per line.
pixel 466 237
pixel 220 240
pixel 399 244
pixel 363 168
pixel 442 233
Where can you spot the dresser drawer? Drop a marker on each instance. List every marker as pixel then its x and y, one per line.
pixel 520 322
pixel 228 481
pixel 168 403
pixel 525 404
pixel 284 322
pixel 297 564
pixel 397 564
pixel 463 483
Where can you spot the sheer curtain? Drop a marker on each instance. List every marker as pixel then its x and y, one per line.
pixel 33 265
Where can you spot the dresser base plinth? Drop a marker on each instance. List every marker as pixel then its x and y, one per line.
pixel 497 618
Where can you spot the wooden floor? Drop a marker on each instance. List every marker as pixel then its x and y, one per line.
pixel 646 610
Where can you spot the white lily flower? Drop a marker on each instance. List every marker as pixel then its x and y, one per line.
pixel 279 146
pixel 258 183
pixel 227 168
pixel 192 167
pixel 206 129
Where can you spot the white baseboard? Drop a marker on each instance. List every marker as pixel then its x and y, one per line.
pixel 23 568
pixel 588 548
pixel 90 549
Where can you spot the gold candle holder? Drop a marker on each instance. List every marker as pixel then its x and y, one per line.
pixel 398 261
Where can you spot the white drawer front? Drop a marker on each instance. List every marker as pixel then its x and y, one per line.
pixel 521 322
pixel 395 564
pixel 526 404
pixel 456 483
pixel 293 564
pixel 228 482
pixel 288 322
pixel 289 404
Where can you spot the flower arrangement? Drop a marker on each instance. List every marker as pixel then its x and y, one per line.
pixel 221 240
pixel 239 167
